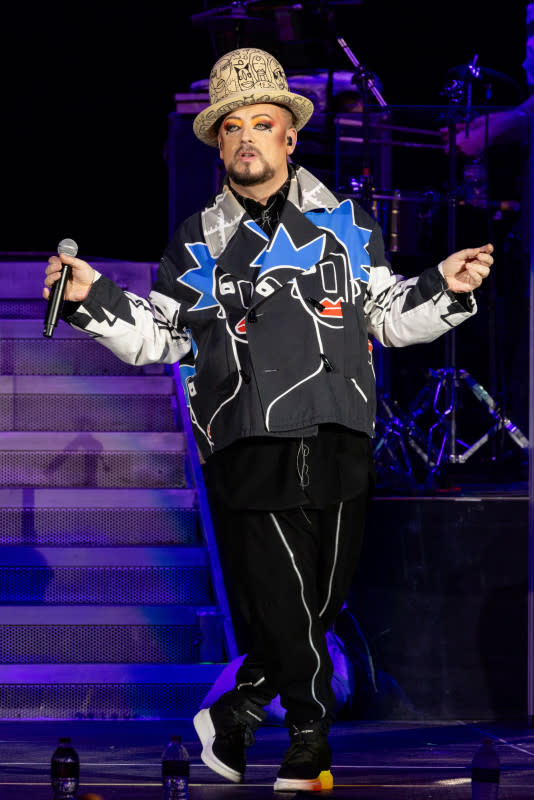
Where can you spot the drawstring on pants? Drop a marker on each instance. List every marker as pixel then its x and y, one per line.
pixel 302 465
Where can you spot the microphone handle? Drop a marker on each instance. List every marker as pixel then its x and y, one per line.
pixel 55 300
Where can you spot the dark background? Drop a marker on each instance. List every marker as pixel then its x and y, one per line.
pixel 88 88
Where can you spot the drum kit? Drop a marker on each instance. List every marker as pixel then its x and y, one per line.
pixel 417 443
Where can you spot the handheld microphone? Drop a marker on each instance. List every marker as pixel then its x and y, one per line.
pixel 70 248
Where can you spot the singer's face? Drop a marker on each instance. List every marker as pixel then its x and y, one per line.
pixel 253 144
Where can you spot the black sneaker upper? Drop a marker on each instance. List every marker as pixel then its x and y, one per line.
pixel 308 754
pixel 235 719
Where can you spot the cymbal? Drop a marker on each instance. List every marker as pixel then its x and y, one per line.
pixel 485 74
pixel 230 22
pixel 228 17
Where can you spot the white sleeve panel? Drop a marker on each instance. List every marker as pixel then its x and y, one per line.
pixel 403 311
pixel 150 335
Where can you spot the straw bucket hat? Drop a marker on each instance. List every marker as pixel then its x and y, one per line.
pixel 244 77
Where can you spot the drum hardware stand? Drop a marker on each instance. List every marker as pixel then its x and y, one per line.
pixel 366 82
pixel 398 433
pixel 400 430
pixel 326 10
pixel 442 380
pixel 446 383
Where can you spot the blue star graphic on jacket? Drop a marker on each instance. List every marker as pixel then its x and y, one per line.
pixel 185 371
pixel 282 252
pixel 201 278
pixel 340 221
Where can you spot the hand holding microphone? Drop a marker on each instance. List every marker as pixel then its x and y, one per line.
pixel 67 278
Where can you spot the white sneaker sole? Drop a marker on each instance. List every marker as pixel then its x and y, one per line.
pixel 324 782
pixel 206 734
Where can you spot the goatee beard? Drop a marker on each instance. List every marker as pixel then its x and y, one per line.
pixel 247 178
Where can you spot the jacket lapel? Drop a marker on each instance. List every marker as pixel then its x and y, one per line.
pixel 243 250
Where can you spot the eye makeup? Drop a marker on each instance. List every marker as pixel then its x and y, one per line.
pixel 261 122
pixel 231 124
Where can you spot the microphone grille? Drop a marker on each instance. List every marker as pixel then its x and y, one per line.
pixel 67 246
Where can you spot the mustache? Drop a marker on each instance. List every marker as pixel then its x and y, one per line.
pixel 244 149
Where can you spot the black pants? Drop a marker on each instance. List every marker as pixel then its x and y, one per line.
pixel 287 575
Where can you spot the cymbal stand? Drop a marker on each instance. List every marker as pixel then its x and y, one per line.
pixel 454 90
pixel 502 424
pixel 366 82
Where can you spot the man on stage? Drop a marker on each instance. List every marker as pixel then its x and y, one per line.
pixel 270 297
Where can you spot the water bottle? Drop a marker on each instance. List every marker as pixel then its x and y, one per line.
pixel 65 770
pixel 175 770
pixel 485 772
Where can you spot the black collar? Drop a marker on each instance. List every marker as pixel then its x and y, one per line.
pixel 268 215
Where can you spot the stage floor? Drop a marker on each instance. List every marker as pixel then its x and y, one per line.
pixel 391 760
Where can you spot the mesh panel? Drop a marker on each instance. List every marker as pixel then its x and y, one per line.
pixel 7 403
pixel 98 526
pixel 60 357
pixel 92 412
pixel 142 469
pixel 101 701
pixel 22 309
pixel 96 644
pixel 105 585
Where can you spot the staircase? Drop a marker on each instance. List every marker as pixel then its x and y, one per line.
pixel 112 603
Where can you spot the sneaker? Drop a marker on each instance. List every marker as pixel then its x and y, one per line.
pixel 306 764
pixel 225 731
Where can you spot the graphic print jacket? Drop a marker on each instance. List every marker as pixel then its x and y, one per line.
pixel 273 337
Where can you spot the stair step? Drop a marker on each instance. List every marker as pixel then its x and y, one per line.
pixel 88 384
pixel 20 308
pixel 108 673
pixel 141 635
pixel 87 403
pixel 59 557
pixel 102 576
pixel 104 691
pixel 113 615
pixel 137 584
pixel 100 517
pixel 23 277
pixel 25 351
pixel 92 459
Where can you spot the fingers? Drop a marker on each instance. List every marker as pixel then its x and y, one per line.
pixel 53 271
pixel 56 262
pixel 80 278
pixel 478 267
pixel 466 269
pixel 481 264
pixel 470 253
pixel 55 266
pixel 482 259
pixel 478 272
